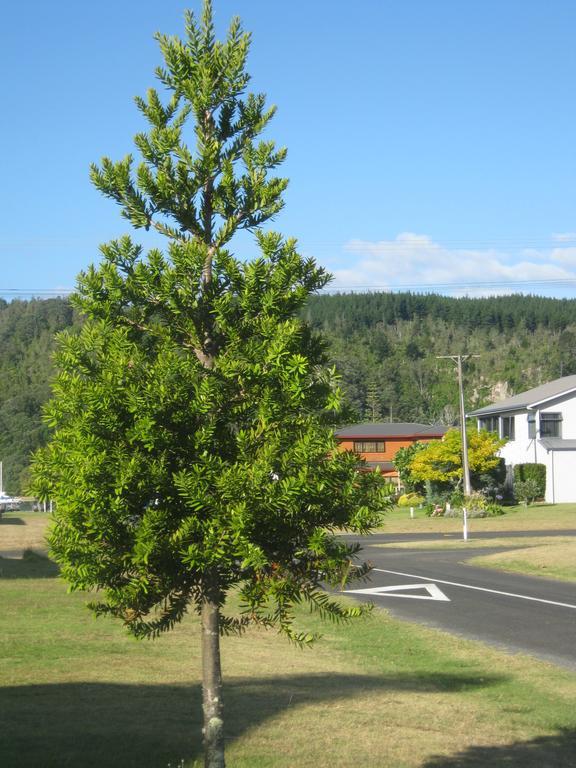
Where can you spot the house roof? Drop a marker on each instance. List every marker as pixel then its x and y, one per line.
pixel 532 397
pixel 558 444
pixel 390 429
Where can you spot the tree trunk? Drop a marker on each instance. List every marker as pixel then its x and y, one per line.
pixel 212 685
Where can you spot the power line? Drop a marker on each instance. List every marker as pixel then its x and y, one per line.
pixel 469 284
pixel 24 291
pixel 409 239
pixel 36 291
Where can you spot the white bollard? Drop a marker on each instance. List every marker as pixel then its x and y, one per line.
pixel 465 530
pixel 412 512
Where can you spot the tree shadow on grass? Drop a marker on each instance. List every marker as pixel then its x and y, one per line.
pixel 12 521
pixel 556 751
pixel 150 726
pixel 30 566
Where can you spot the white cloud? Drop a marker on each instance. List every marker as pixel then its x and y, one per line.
pixel 564 237
pixel 416 262
pixel 564 255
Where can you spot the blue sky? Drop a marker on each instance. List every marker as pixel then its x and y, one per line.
pixel 431 142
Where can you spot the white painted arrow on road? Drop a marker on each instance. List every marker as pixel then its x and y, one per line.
pixel 434 592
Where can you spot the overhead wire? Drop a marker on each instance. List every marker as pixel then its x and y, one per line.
pixel 341 287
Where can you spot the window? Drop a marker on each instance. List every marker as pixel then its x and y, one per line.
pixel 489 423
pixel 507 427
pixel 369 446
pixel 531 426
pixel 551 424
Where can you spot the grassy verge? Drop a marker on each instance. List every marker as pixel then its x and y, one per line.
pixel 539 517
pixel 77 691
pixel 526 542
pixel 553 558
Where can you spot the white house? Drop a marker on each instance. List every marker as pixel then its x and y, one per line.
pixel 540 425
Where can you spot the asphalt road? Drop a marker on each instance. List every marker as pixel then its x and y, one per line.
pixel 519 613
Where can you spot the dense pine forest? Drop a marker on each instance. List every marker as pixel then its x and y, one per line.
pixel 383 344
pixel 385 347
pixel 27 330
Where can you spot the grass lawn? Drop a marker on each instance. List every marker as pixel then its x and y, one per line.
pixel 79 692
pixel 478 543
pixel 22 530
pixel 538 517
pixel 555 558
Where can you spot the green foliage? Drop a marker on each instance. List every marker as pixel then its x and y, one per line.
pixel 477 505
pixel 457 498
pixel 368 337
pixel 527 491
pixel 441 460
pixel 402 461
pixel 27 331
pixel 192 447
pixel 536 474
pixel 410 500
pixel 393 338
pixel 492 483
pixel 373 405
pixel 494 510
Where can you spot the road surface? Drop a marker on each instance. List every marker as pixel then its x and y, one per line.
pixel 435 587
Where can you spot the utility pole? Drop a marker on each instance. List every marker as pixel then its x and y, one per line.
pixel 458 359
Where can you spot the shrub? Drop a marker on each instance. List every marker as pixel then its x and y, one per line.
pixel 477 505
pixel 429 509
pixel 453 512
pixel 527 490
pixel 410 500
pixel 457 499
pixel 494 510
pixel 533 472
pixel 439 493
pixel 493 482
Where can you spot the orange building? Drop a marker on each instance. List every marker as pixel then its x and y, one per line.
pixel 378 443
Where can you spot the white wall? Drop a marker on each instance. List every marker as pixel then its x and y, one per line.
pixel 560 465
pixel 561 477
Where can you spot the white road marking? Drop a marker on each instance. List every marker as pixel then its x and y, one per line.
pixel 434 592
pixel 479 589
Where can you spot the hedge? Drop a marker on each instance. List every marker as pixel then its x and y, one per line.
pixel 536 472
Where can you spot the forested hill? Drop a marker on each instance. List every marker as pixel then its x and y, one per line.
pixel 384 345
pixel 27 331
pixel 356 311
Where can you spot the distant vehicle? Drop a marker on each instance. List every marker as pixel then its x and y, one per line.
pixel 8 503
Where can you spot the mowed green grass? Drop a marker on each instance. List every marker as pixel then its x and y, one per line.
pixel 555 559
pixel 538 517
pixel 77 691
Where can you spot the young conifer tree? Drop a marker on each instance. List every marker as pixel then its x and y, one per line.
pixel 192 451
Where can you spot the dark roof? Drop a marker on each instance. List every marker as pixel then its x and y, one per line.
pixel 531 397
pixel 391 429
